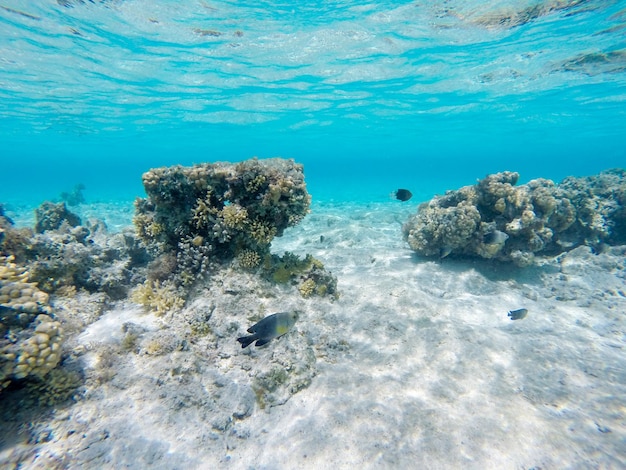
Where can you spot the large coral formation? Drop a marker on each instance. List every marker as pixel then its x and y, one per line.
pixel 50 216
pixel 30 342
pixel 212 213
pixel 216 212
pixel 495 219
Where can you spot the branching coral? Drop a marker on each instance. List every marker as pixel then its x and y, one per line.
pixel 495 219
pixel 235 216
pixel 204 213
pixel 249 259
pixel 307 288
pixel 262 233
pixel 158 297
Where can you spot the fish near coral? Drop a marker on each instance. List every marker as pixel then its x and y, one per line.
pixel 272 326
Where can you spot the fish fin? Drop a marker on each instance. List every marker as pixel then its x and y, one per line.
pixel 261 342
pixel 247 340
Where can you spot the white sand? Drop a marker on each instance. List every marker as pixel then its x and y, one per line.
pixel 415 366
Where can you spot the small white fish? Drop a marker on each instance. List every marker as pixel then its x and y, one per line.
pixel 518 314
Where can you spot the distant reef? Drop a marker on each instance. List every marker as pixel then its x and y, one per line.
pixel 495 219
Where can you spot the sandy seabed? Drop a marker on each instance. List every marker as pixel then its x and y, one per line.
pixel 416 365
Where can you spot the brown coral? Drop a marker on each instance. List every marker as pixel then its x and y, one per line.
pixel 235 216
pixel 249 259
pixel 158 297
pixel 213 211
pixel 31 339
pixel 495 219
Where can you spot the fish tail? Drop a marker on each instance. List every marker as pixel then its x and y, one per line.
pixel 247 340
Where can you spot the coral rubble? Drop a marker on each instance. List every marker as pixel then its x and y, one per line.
pixel 495 219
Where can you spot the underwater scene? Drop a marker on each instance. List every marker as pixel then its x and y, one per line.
pixel 321 234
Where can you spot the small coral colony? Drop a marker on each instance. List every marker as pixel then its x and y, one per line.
pixel 213 216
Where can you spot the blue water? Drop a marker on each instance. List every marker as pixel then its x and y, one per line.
pixel 369 96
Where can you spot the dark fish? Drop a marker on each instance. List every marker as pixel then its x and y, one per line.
pixel 402 195
pixel 518 314
pixel 272 326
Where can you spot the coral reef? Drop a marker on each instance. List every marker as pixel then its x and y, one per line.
pixel 158 297
pixel 207 215
pixel 75 196
pixel 600 203
pixel 65 260
pixel 56 387
pixel 50 216
pixel 86 258
pixel 495 219
pixel 307 273
pixel 248 259
pixel 30 342
pixel 13 241
pixel 215 212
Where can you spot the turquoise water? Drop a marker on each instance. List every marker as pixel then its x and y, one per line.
pixel 370 96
